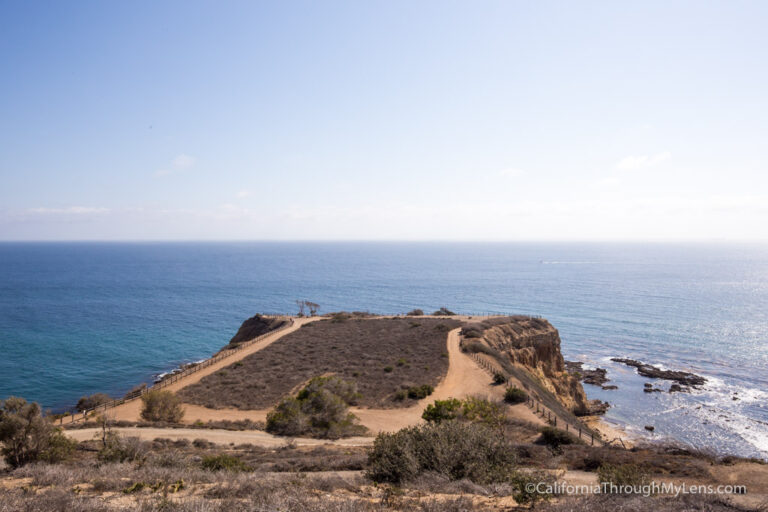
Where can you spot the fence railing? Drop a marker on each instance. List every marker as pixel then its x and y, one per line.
pixel 177 376
pixel 538 408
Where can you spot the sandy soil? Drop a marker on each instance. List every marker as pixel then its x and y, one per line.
pixel 464 378
pixel 255 437
pixel 609 431
pixel 130 411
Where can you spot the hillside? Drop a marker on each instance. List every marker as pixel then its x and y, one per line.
pixel 380 355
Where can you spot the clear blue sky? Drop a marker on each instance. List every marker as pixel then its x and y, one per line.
pixel 384 120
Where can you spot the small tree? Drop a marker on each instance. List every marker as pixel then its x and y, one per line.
pixel 161 406
pixel 306 304
pixel 26 436
pixel 313 307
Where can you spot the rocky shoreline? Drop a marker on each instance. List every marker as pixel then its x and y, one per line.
pixel 650 371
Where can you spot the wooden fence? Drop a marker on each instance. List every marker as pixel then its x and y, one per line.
pixel 538 408
pixel 174 377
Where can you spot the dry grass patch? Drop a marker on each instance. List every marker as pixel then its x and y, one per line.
pixel 381 356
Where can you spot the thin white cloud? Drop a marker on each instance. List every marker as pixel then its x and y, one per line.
pixel 633 163
pixel 179 163
pixel 72 210
pixel 243 193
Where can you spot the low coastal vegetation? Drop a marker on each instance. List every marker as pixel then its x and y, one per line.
pixel 321 409
pixel 470 454
pixel 454 449
pixel 26 436
pixel 459 463
pixel 470 410
pixel 515 395
pixel 162 406
pixel 381 356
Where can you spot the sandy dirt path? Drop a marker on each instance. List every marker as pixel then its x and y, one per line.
pixel 464 378
pixel 255 437
pixel 130 411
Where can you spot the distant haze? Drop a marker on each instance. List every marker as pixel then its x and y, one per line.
pixel 384 120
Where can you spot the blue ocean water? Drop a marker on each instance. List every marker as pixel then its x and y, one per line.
pixel 76 318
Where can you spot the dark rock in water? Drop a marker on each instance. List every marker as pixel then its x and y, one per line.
pixel 611 387
pixel 597 407
pixel 652 390
pixel 596 377
pixel 674 388
pixel 647 370
pixel 648 385
pixel 650 428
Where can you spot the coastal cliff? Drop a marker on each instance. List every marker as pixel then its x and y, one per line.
pixel 532 344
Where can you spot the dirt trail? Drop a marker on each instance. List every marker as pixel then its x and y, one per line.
pixel 464 378
pixel 255 437
pixel 130 411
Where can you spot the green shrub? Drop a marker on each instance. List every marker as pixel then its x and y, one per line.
pixel 499 378
pixel 224 462
pixel 627 475
pixel 442 410
pixel 401 394
pixel 416 312
pixel 319 410
pixel 116 448
pixel 59 448
pixel 554 437
pixel 443 312
pixel 480 410
pixel 525 485
pixel 472 331
pixel 402 362
pixel 388 369
pixel 26 436
pixel 515 395
pixel 287 418
pixel 345 390
pixel 90 402
pixel 454 449
pixel 419 392
pixel 161 405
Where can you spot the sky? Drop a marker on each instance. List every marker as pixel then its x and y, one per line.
pixel 384 120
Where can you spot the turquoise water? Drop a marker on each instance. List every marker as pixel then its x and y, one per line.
pixel 76 318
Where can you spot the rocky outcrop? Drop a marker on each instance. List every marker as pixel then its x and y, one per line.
pixel 596 377
pixel 647 370
pixel 255 326
pixel 534 344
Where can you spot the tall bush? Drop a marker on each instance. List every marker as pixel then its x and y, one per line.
pixel 319 410
pixel 454 449
pixel 162 406
pixel 26 436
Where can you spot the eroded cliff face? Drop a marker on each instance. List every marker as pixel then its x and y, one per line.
pixel 535 344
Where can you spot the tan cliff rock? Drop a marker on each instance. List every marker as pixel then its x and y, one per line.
pixel 534 344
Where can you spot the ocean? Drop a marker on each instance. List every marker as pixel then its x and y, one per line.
pixel 77 318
